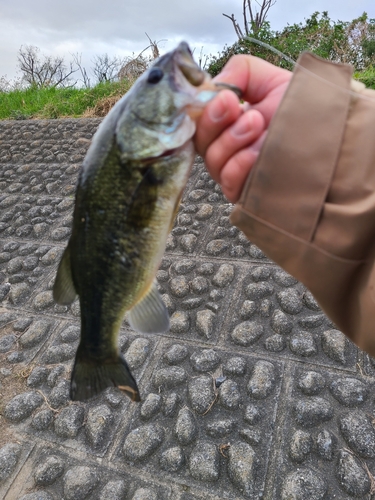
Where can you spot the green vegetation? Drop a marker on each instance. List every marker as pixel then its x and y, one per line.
pixel 350 42
pixel 367 77
pixel 55 102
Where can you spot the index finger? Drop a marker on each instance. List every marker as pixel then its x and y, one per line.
pixel 262 83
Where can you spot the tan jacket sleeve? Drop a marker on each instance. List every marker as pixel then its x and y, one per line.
pixel 309 202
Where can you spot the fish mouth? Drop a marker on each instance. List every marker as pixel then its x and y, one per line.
pixel 190 79
pixel 164 154
pixel 195 75
pixel 188 67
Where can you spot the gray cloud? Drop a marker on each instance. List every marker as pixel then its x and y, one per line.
pixel 120 19
pixel 118 26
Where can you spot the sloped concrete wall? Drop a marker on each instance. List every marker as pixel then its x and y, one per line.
pixel 251 394
pixel 45 141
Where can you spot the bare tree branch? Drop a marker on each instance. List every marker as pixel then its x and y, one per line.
pixel 202 64
pixel 246 25
pixel 134 66
pixel 154 47
pixel 106 68
pixel 257 17
pixel 47 72
pixel 77 58
pixel 236 26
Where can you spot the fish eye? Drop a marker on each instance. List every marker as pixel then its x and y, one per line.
pixel 155 75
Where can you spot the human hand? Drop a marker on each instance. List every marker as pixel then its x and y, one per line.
pixel 229 135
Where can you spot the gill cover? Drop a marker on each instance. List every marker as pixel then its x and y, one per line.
pixel 158 121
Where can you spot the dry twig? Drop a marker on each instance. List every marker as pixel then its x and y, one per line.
pixel 222 448
pixel 45 400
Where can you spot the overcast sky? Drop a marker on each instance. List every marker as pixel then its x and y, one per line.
pixel 118 27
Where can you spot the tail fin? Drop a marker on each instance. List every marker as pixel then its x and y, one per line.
pixel 89 378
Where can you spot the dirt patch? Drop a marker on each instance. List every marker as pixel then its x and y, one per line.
pixel 102 107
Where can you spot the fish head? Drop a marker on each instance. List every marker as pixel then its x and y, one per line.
pixel 160 111
pixel 168 86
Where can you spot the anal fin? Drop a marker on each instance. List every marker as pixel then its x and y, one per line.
pixel 63 289
pixel 150 314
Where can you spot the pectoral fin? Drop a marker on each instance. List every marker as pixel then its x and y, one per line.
pixel 63 289
pixel 150 314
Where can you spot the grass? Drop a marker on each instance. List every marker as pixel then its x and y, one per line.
pixel 367 77
pixel 58 103
pixel 96 101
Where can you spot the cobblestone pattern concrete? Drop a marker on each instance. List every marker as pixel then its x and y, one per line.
pixel 253 394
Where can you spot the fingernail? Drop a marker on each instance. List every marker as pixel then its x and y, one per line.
pixel 217 110
pixel 242 126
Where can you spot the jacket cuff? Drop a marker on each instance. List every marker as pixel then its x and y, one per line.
pixel 297 161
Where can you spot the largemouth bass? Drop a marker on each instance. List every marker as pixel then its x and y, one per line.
pixel 128 193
